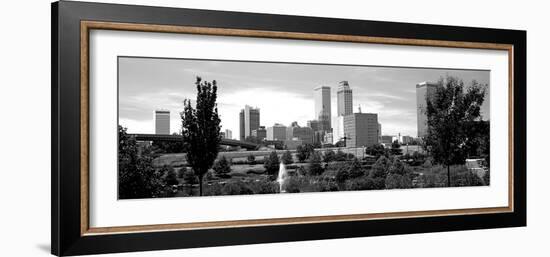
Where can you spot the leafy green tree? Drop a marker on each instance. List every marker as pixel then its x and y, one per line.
pixel 251 159
pixel 303 152
pixel 136 176
pixel 189 177
pixel 376 151
pixel 170 178
pixel 355 169
pixel 286 158
pixel 394 180
pixel 315 167
pixel 380 167
pixel 449 112
pixel 271 163
pixel 222 167
pixel 340 156
pixel 201 129
pixel 396 148
pixel 329 156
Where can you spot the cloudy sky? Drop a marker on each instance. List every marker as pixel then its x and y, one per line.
pixel 283 92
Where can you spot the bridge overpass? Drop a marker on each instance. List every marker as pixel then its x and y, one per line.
pixel 175 138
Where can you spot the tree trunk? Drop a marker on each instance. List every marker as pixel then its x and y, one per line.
pixel 200 185
pixel 448 175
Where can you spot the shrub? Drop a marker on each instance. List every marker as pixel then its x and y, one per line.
pixel 214 189
pixel 171 178
pixel 236 188
pixel 251 159
pixel 394 180
pixel 326 186
pixel 222 167
pixel 264 187
pixel 329 156
pixel 189 177
pixel 364 183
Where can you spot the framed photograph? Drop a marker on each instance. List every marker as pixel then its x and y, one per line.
pixel 179 128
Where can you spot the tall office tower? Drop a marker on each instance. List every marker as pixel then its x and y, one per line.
pixel 249 119
pixel 228 134
pixel 277 132
pixel 162 122
pixel 338 129
pixel 379 132
pixel 321 96
pixel 361 129
pixel 424 91
pixel 344 99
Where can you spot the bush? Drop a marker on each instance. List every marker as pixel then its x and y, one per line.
pixel 190 178
pixel 329 156
pixel 326 186
pixel 251 159
pixel 364 183
pixel 394 180
pixel 222 167
pixel 264 187
pixel 171 177
pixel 236 188
pixel 214 189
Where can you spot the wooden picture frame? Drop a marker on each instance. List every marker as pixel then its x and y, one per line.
pixel 71 25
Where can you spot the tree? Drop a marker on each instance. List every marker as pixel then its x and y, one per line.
pixel 315 168
pixel 340 156
pixel 222 167
pixel 303 152
pixel 376 151
pixel 201 129
pixel 286 158
pixel 251 159
pixel 171 177
pixel 396 148
pixel 137 177
pixel 449 112
pixel 271 163
pixel 329 156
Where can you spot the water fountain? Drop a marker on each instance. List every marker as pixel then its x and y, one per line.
pixel 281 178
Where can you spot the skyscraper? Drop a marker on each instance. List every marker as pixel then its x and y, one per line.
pixel 162 122
pixel 361 129
pixel 249 119
pixel 321 96
pixel 424 91
pixel 344 99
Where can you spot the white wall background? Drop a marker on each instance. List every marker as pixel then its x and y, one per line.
pixel 25 111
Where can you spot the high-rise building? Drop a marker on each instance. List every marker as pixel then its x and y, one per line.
pixel 321 97
pixel 228 134
pixel 260 133
pixel 162 122
pixel 249 119
pixel 379 132
pixel 424 91
pixel 361 129
pixel 344 99
pixel 338 129
pixel 277 132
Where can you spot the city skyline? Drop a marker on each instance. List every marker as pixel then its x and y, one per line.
pixel 283 92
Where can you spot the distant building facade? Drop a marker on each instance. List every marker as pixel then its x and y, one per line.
pixel 338 129
pixel 249 119
pixel 276 132
pixel 386 139
pixel 361 129
pixel 344 99
pixel 260 133
pixel 162 122
pixel 424 91
pixel 228 134
pixel 305 134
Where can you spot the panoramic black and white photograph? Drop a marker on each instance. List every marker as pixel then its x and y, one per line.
pixel 197 127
